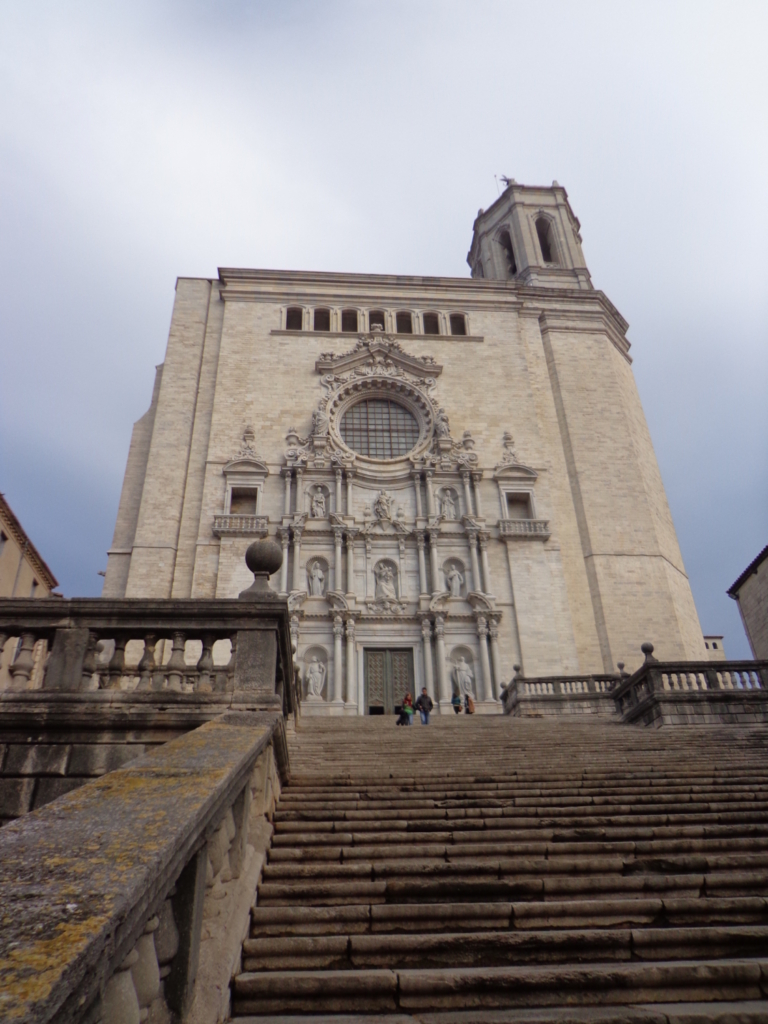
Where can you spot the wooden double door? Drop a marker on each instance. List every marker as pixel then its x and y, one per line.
pixel 388 677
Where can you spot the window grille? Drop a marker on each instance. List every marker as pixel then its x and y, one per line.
pixel 458 323
pixel 376 319
pixel 294 319
pixel 379 429
pixel 322 319
pixel 349 320
pixel 404 323
pixel 431 323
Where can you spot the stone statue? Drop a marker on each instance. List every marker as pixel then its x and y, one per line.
pixel 464 678
pixel 315 678
pixel 319 423
pixel 318 505
pixel 385 583
pixel 382 507
pixel 442 429
pixel 449 505
pixel 455 580
pixel 316 580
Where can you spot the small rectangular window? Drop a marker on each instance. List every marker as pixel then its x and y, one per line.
pixel 431 323
pixel 518 506
pixel 243 501
pixel 294 319
pixel 458 323
pixel 33 588
pixel 376 319
pixel 349 320
pixel 404 323
pixel 322 319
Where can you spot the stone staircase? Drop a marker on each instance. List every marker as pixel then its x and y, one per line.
pixel 490 869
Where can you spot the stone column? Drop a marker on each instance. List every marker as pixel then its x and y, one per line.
pixel 430 494
pixel 297 581
pixel 467 492
pixel 477 583
pixel 426 642
pixel 338 492
pixel 351 664
pixel 443 686
pixel 476 478
pixel 299 496
pixel 338 676
pixel 287 508
pixel 350 474
pixel 493 632
pixel 420 541
pixel 350 563
pixel 284 539
pixel 433 534
pixel 483 538
pixel 338 577
pixel 417 490
pixel 482 636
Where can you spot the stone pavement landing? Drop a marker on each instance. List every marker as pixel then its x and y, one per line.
pixel 490 870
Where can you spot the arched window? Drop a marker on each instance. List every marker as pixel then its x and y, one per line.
pixel 349 320
pixel 509 253
pixel 379 429
pixel 546 240
pixel 294 318
pixel 404 323
pixel 322 320
pixel 458 323
pixel 431 323
pixel 376 319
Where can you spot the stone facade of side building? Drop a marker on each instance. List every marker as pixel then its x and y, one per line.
pixel 750 591
pixel 458 471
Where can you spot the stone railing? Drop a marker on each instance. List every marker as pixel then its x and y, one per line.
pixel 558 695
pixel 240 526
pixel 534 528
pixel 691 691
pixel 107 894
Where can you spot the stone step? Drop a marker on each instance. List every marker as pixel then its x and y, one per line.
pixel 596 913
pixel 382 990
pixel 500 948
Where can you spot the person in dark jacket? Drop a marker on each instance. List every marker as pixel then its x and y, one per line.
pixel 424 705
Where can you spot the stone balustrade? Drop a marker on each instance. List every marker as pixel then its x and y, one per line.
pixel 108 893
pixel 559 695
pixel 240 526
pixel 694 692
pixel 144 645
pixel 537 529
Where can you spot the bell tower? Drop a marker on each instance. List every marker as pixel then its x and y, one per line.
pixel 531 236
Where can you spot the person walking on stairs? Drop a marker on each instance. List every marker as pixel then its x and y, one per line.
pixel 424 706
pixel 406 711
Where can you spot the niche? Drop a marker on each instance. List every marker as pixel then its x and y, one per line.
pixel 463 672
pixel 387 584
pixel 546 240
pixel 318 501
pixel 455 575
pixel 449 503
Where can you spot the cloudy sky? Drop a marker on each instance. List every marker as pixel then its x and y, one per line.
pixel 142 141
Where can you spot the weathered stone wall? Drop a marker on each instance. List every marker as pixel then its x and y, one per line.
pixel 753 605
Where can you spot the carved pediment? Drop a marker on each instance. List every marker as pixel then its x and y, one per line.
pixel 377 353
pixel 246 465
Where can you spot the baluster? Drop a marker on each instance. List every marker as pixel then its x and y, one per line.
pixel 205 666
pixel 147 662
pixel 89 662
pixel 117 664
pixel 176 665
pixel 146 970
pixel 22 665
pixel 3 641
pixel 231 664
pixel 120 1004
pixel 166 937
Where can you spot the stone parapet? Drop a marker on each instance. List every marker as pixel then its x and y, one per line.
pixel 560 695
pixel 104 893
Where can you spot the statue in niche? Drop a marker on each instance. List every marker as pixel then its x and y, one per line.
pixel 316 580
pixel 317 508
pixel 386 589
pixel 319 423
pixel 382 507
pixel 448 505
pixel 442 429
pixel 455 581
pixel 315 678
pixel 464 678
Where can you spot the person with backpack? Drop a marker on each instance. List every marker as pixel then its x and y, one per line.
pixel 424 705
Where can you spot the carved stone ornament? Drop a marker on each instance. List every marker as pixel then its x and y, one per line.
pixel 510 465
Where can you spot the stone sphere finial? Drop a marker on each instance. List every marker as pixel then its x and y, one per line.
pixel 647 650
pixel 263 558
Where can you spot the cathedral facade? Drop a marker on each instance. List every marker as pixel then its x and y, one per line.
pixel 458 471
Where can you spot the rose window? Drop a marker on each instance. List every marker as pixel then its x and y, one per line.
pixel 379 429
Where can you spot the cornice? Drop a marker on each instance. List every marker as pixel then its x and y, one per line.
pixel 28 549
